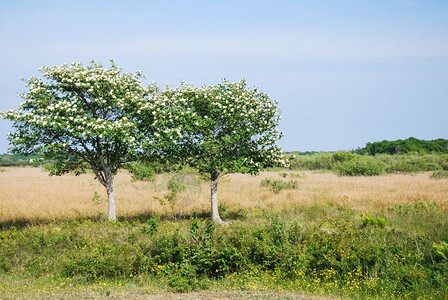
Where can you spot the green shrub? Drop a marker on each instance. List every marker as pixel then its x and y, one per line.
pixel 413 163
pixel 444 162
pixel 183 180
pixel 2 170
pixel 342 156
pixel 96 197
pixel 152 225
pixel 104 259
pixel 360 166
pixel 441 174
pixel 373 221
pixel 278 185
pixel 182 283
pixel 398 163
pixel 441 250
pixel 176 184
pixel 141 172
pixel 317 161
pixel 183 278
pixel 328 254
pixel 47 166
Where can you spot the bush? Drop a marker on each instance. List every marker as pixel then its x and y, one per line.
pixel 182 184
pixel 278 185
pixel 441 174
pixel 342 160
pixel 360 166
pixel 441 250
pixel 317 161
pixel 330 255
pixel 141 172
pixel 146 171
pixel 183 179
pixel 102 260
pixel 342 156
pixel 373 221
pixel 182 282
pixel 413 163
pixel 152 225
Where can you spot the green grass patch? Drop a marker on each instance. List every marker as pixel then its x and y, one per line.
pixel 277 185
pixel 396 253
pixel 374 221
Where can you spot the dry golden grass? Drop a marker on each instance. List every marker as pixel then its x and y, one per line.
pixel 29 194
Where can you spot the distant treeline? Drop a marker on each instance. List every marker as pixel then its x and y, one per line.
pixel 353 164
pixel 410 145
pixel 302 153
pixel 16 160
pixel 401 156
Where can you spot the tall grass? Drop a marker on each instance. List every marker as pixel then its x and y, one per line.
pixel 30 195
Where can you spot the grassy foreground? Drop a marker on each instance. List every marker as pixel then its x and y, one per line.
pixel 329 245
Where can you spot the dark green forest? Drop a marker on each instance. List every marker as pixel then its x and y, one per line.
pixel 410 145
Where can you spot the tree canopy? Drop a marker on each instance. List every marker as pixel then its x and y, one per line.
pixel 225 128
pixel 410 145
pixel 82 114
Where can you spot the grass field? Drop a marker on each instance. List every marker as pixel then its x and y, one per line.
pixel 378 237
pixel 30 195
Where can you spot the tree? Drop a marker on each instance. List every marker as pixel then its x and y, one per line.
pixel 225 128
pixel 410 145
pixel 80 116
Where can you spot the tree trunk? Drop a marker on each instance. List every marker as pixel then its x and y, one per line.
pixel 110 196
pixel 214 198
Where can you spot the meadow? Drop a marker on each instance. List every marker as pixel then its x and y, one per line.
pixel 29 195
pixel 291 233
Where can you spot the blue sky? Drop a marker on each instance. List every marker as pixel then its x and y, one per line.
pixel 345 72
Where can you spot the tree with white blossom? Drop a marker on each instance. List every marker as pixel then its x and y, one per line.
pixel 84 115
pixel 225 128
